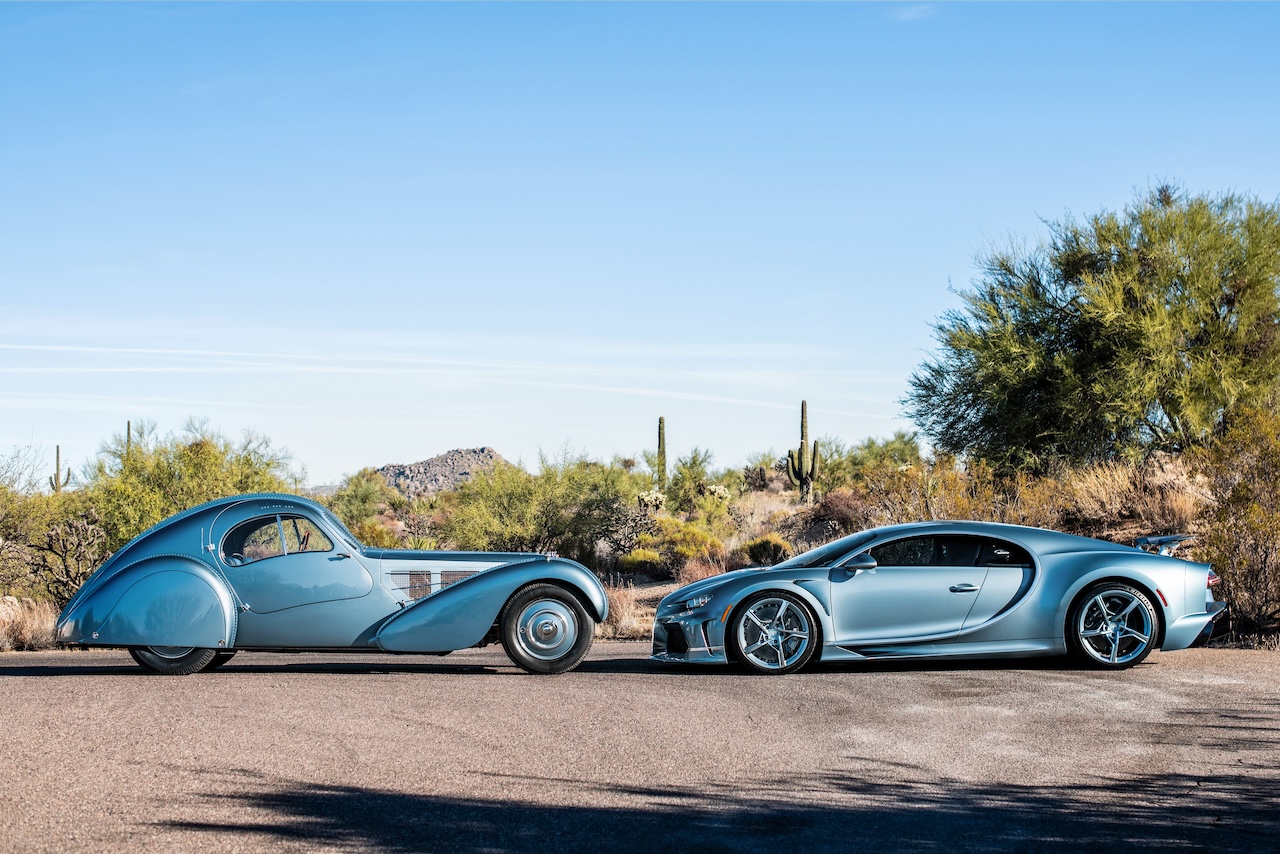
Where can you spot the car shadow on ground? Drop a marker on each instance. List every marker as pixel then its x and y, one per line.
pixel 876 809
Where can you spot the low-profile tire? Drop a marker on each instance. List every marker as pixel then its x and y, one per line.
pixel 545 629
pixel 219 659
pixel 1112 626
pixel 173 660
pixel 773 632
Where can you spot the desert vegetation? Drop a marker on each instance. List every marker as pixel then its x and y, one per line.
pixel 1121 380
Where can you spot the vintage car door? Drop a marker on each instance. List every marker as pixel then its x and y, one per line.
pixel 294 582
pixel 921 589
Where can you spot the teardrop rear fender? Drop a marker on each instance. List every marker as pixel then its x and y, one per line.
pixel 164 600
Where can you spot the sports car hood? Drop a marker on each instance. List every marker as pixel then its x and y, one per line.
pixel 706 585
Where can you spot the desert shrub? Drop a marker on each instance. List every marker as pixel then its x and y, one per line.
pixel 364 495
pixel 133 484
pixel 696 570
pixel 26 624
pixel 628 619
pixel 376 535
pixel 421 542
pixel 768 550
pixel 1242 539
pixel 642 562
pixel 570 506
pixel 678 542
pixel 843 509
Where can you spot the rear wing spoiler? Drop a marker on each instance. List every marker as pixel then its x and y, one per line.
pixel 1162 545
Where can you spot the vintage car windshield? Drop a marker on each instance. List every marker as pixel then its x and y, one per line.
pixel 342 529
pixel 828 554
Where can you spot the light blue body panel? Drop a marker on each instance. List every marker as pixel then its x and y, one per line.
pixel 461 616
pixel 944 611
pixel 176 586
pixel 178 598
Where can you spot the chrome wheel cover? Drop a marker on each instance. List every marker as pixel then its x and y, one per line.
pixel 547 629
pixel 1114 627
pixel 172 653
pixel 773 633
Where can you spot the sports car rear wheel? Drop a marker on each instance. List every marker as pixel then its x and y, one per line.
pixel 773 632
pixel 1113 626
pixel 173 660
pixel 545 629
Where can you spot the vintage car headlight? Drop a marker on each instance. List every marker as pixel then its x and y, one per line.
pixel 697 601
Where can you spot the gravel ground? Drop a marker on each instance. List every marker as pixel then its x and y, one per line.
pixel 466 753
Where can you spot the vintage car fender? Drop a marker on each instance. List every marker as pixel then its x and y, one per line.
pixel 163 600
pixel 461 615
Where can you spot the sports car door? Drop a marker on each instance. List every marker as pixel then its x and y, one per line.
pixel 921 589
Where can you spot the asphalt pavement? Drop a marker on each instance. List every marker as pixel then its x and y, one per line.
pixel 467 753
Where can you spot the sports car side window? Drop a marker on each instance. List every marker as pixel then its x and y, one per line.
pixel 303 535
pixel 999 552
pixel 913 551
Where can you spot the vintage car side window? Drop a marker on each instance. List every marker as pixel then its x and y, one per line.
pixel 303 535
pixel 257 539
pixel 913 551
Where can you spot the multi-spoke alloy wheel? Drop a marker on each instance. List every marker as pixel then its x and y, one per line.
pixel 774 632
pixel 1114 626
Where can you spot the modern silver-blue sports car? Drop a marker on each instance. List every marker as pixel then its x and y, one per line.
pixel 281 573
pixel 944 589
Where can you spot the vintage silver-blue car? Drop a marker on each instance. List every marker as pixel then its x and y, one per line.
pixel 281 573
pixel 943 589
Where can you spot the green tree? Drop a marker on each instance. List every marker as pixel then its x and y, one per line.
pixel 136 482
pixel 1125 333
pixel 362 496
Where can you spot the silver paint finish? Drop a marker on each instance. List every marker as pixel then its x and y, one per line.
pixel 898 612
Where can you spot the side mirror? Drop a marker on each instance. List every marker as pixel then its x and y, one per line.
pixel 862 560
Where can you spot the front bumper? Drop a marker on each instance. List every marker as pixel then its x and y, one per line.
pixel 688 638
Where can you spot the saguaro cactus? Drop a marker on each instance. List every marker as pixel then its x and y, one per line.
pixel 662 453
pixel 57 482
pixel 802 464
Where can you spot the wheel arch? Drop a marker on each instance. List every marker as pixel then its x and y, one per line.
pixel 817 610
pixel 1144 586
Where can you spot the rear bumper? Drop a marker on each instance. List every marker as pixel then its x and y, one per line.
pixel 1193 629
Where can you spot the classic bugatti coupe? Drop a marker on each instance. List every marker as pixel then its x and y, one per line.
pixel 281 573
pixel 945 589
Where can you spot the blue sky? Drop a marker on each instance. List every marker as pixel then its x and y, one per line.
pixel 375 232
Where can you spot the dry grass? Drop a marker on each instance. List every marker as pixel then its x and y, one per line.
pixel 696 570
pixel 26 624
pixel 630 618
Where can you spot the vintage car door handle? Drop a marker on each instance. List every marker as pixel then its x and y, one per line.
pixel 341 556
pixel 964 588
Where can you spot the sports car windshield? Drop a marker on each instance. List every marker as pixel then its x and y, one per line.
pixel 828 554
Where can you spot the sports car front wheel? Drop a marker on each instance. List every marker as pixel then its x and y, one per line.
pixel 545 629
pixel 773 632
pixel 1113 626
pixel 174 660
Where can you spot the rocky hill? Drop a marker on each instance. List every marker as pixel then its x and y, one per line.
pixel 439 474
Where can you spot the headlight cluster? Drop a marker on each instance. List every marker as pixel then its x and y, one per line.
pixel 697 601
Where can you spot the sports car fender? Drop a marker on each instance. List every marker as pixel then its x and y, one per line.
pixel 461 615
pixel 1130 574
pixel 814 591
pixel 164 600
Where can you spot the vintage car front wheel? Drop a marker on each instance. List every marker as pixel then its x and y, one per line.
pixel 545 629
pixel 173 660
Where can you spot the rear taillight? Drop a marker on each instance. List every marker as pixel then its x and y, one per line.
pixel 1213 579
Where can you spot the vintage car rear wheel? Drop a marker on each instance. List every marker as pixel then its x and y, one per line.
pixel 773 632
pixel 545 629
pixel 1113 626
pixel 173 660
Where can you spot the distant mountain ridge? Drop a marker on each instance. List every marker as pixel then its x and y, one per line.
pixel 440 473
